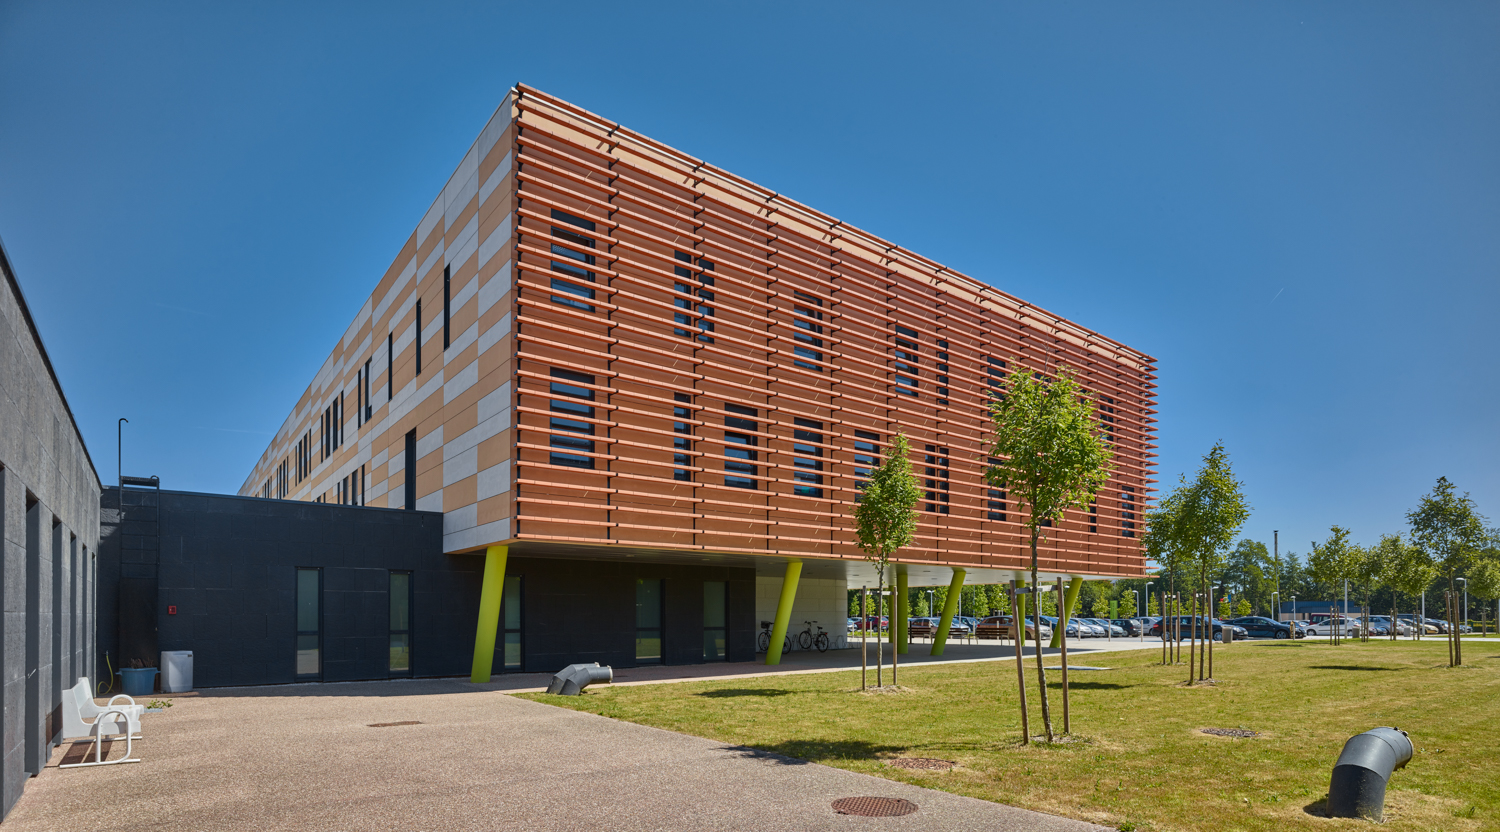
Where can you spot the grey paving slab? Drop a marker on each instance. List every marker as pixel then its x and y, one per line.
pixel 302 757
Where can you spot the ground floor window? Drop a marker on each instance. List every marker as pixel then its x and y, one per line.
pixel 510 619
pixel 715 621
pixel 648 617
pixel 309 623
pixel 400 653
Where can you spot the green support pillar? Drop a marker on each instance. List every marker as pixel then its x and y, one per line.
pixel 1074 584
pixel 950 606
pixel 490 594
pixel 784 611
pixel 903 639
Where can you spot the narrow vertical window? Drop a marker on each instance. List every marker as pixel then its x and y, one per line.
pixel 739 468
pixel 648 641
pixel 570 442
pixel 682 440
pixel 574 247
pixel 369 409
pixel 419 336
pixel 510 619
pixel 937 479
pixel 715 621
pixel 866 457
pixel 996 504
pixel 400 653
pixel 807 444
pixel 390 366
pixel 809 331
pixel 410 490
pixel 447 298
pixel 309 623
pixel 338 425
pixel 359 402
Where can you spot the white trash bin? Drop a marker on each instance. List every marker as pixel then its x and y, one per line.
pixel 176 671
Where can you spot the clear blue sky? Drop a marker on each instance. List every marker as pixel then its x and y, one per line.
pixel 1295 207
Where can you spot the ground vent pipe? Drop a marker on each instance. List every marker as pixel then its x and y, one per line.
pixel 571 680
pixel 1357 789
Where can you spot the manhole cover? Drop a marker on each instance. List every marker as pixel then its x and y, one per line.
pixel 874 807
pixel 393 724
pixel 921 763
pixel 1230 732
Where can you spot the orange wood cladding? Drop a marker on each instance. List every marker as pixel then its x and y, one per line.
pixel 649 202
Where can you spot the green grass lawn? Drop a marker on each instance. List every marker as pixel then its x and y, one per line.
pixel 1141 762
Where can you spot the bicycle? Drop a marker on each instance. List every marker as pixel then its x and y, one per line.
pixel 763 641
pixel 807 638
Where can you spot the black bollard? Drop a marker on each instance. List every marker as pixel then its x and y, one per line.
pixel 1357 789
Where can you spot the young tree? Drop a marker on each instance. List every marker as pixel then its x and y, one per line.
pixel 1052 457
pixel 1244 608
pixel 1451 531
pixel 884 521
pixel 1162 545
pixel 1484 584
pixel 1101 607
pixel 1408 571
pixel 1128 605
pixel 1332 563
pixel 1213 510
pixel 1367 574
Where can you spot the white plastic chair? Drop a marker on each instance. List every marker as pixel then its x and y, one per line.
pixel 84 693
pixel 108 721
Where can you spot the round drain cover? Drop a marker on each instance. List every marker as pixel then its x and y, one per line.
pixel 921 763
pixel 1230 732
pixel 874 807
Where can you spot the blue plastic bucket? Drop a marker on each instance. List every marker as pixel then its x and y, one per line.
pixel 138 681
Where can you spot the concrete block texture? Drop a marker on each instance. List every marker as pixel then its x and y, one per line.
pixel 49 520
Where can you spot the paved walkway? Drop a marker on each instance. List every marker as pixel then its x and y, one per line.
pixel 303 757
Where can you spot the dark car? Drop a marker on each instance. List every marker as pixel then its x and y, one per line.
pixel 1187 630
pixel 1262 627
pixel 1131 626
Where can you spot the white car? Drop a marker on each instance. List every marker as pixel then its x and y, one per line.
pixel 1348 627
pixel 1403 628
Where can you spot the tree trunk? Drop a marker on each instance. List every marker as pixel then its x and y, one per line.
pixel 1458 635
pixel 1041 671
pixel 1209 625
pixel 879 614
pixel 1162 608
pixel 1018 636
pixel 1193 640
pixel 1062 622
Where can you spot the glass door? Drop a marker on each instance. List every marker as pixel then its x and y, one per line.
pixel 715 621
pixel 510 622
pixel 400 653
pixel 309 624
pixel 648 641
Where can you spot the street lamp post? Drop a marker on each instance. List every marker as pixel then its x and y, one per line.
pixel 1276 603
pixel 1294 616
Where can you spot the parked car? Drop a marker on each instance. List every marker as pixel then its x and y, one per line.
pixel 871 623
pixel 1110 628
pixel 1188 630
pixel 1003 626
pixel 1131 626
pixel 1429 626
pixel 1403 628
pixel 1261 627
pixel 927 627
pixel 1071 632
pixel 1348 627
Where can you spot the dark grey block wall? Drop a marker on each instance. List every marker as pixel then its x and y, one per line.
pixel 584 610
pixel 227 565
pixel 49 531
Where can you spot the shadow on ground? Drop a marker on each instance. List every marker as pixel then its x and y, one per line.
pixel 802 752
pixel 1349 667
pixel 720 694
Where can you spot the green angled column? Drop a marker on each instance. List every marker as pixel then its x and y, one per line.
pixel 1071 596
pixel 784 611
pixel 490 594
pixel 950 606
pixel 903 638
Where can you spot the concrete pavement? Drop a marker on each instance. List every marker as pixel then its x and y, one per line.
pixel 303 757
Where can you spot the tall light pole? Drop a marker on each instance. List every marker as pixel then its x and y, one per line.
pixel 1276 553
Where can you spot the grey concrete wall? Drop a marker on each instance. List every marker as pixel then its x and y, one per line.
pixel 49 530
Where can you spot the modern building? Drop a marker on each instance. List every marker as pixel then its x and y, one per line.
pixel 646 392
pixel 49 527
